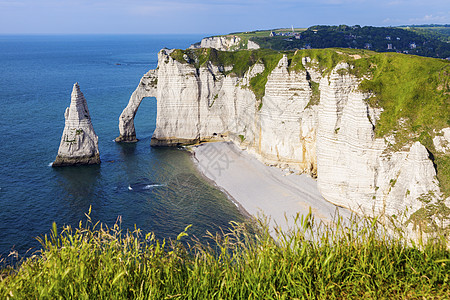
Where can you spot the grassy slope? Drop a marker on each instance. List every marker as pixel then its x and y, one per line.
pixel 407 87
pixel 440 32
pixel 334 262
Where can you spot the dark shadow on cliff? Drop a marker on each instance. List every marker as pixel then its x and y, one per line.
pixel 432 158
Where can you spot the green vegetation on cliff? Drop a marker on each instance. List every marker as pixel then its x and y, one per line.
pixel 425 41
pixel 239 61
pixel 353 261
pixel 413 91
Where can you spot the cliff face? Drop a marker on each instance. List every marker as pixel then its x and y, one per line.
pixel 79 143
pixel 225 43
pixel 287 126
pixel 354 165
pixel 331 136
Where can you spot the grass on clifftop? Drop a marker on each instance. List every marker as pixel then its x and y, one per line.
pixel 414 93
pixel 312 262
pixel 411 87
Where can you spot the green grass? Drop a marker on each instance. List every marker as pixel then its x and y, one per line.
pixel 443 172
pixel 439 32
pixel 411 87
pixel 270 60
pixel 315 97
pixel 326 59
pixel 313 261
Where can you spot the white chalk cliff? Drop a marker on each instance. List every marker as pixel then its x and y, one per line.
pixel 146 88
pixel 79 143
pixel 332 139
pixel 225 43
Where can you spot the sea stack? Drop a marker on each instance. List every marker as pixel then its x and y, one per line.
pixel 79 143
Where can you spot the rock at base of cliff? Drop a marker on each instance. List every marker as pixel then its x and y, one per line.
pixel 62 161
pixel 168 142
pixel 126 139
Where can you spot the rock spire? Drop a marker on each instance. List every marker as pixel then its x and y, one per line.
pixel 79 143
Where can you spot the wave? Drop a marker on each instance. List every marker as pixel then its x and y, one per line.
pixel 143 186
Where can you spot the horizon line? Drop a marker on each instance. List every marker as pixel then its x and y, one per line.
pixel 205 33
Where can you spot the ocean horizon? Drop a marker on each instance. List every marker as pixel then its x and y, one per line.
pixel 154 189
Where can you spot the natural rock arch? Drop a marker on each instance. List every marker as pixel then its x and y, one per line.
pixel 147 88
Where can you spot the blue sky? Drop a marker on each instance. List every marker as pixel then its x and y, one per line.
pixel 208 16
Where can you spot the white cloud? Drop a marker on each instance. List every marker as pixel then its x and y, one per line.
pixel 430 18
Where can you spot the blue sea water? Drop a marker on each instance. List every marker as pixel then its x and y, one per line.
pixel 156 189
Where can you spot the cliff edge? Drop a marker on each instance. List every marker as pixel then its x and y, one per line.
pixel 226 43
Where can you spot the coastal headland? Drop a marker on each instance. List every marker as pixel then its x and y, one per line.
pixel 371 134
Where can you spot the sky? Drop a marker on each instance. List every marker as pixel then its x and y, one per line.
pixel 208 16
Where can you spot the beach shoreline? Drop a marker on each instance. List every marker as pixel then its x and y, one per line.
pixel 259 190
pixel 211 181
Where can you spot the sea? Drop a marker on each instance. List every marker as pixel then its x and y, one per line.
pixel 136 186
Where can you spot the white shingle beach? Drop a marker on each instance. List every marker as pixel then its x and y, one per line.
pixel 261 189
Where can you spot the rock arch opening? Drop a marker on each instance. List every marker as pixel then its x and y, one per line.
pixel 147 88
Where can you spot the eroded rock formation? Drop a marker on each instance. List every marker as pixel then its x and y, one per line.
pixel 327 132
pixel 353 164
pixel 225 43
pixel 146 88
pixel 79 143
